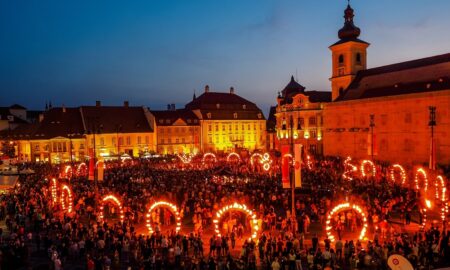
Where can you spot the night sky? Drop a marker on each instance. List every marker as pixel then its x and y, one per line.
pixel 157 52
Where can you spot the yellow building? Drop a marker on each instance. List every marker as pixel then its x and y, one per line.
pixel 68 134
pixel 299 114
pixel 177 131
pixel 228 122
pixel 397 97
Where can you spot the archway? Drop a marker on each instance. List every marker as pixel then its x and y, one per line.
pixel 82 169
pixel 238 207
pixel 171 207
pixel 441 194
pixel 344 207
pixel 185 158
pixel 233 157
pixel 255 156
pixel 113 199
pixel 66 193
pixel 421 184
pixel 401 172
pixel 371 172
pixel 68 172
pixel 209 156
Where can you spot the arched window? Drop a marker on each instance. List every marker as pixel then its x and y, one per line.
pixel 341 59
pixel 358 58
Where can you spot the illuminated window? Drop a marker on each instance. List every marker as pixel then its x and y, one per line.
pixel 254 126
pixel 167 121
pixel 81 146
pixel 182 140
pixel 189 120
pixel 113 141
pixel 259 115
pixel 209 127
pixel 161 121
pixel 235 115
pixel 243 127
pixel 102 141
pixel 237 127
pixel 139 139
pixel 244 106
pixel 218 106
pixel 229 127
pixel 147 140
pixel 208 115
pixel 128 140
pixel 177 140
pixel 223 127
pixel 313 133
pixel 209 139
pixel 217 127
pixel 120 141
pixel 169 140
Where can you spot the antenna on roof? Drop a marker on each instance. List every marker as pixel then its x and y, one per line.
pixel 296 74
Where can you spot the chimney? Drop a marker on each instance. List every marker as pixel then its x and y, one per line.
pixel 41 117
pixel 206 88
pixel 172 106
pixel 63 108
pixel 168 107
pixel 98 103
pixel 231 90
pixel 126 104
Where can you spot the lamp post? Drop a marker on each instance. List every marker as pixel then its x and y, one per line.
pixel 95 128
pixel 432 124
pixel 70 135
pixel 372 125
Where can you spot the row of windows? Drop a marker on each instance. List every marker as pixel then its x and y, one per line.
pixel 357 59
pixel 176 140
pixel 220 139
pixel 236 127
pixel 57 147
pixel 301 121
pixel 235 115
pixel 168 121
pixel 101 141
pixel 177 129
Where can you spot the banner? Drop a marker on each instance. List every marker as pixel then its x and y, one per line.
pixel 298 165
pixel 432 164
pixel 100 169
pixel 285 159
pixel 91 164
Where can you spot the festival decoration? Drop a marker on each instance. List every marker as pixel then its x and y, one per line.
pixel 309 163
pixel 82 169
pixel 233 154
pixel 373 170
pixel 442 195
pixel 421 174
pixel 167 205
pixel 208 156
pixel 399 168
pixel 349 169
pixel 343 207
pixel 111 198
pixel 100 163
pixel 239 207
pixel 65 191
pixel 68 171
pixel 54 191
pixel 255 155
pixel 186 159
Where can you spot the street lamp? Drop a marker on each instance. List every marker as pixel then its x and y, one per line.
pixel 372 125
pixel 432 124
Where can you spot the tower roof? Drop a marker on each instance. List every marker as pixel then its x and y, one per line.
pixel 349 32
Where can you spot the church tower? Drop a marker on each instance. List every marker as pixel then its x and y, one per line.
pixel 349 55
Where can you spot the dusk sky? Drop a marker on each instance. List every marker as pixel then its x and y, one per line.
pixel 157 52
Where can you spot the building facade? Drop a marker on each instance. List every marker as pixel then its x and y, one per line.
pixel 383 113
pixel 299 118
pixel 177 131
pixel 228 122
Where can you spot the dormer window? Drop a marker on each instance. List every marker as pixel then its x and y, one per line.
pixel 161 121
pixel 218 105
pixel 208 115
pixel 235 115
pixel 259 115
pixel 244 106
pixel 189 120
pixel 167 121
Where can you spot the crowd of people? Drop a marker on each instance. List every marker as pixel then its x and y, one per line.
pixel 38 232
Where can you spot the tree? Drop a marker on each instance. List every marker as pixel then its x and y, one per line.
pixel 7 148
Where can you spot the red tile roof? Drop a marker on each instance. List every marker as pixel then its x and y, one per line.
pixel 168 117
pixel 416 76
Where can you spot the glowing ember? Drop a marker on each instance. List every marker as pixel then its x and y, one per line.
pixel 344 207
pixel 54 191
pixel 82 169
pixel 239 207
pixel 421 174
pixel 111 198
pixel 173 209
pixel 68 171
pixel 372 172
pixel 186 159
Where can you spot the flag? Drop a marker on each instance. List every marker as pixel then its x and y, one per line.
pixel 285 159
pixel 298 165
pixel 432 163
pixel 369 145
pixel 100 170
pixel 91 164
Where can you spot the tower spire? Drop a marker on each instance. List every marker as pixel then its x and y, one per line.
pixel 349 31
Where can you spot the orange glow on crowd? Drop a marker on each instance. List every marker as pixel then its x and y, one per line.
pixel 173 209
pixel 238 207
